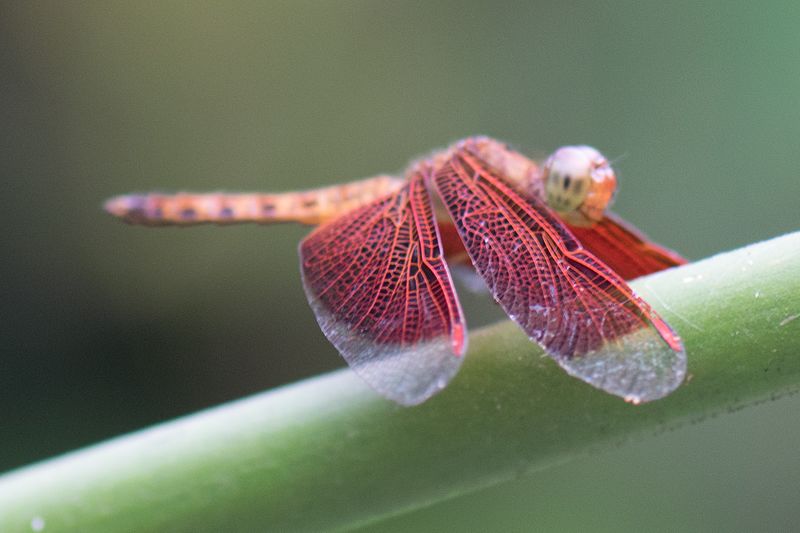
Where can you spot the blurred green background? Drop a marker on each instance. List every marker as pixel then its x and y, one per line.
pixel 108 328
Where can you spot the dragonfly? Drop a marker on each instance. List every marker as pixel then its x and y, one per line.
pixel 375 269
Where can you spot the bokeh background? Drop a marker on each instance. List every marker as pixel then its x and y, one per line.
pixel 106 328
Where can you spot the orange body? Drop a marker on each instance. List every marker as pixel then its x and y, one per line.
pixel 624 248
pixel 311 207
pixel 306 207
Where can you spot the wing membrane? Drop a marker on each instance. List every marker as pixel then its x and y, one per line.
pixel 584 315
pixel 625 249
pixel 383 296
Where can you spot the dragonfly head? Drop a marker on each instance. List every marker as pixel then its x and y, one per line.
pixel 579 184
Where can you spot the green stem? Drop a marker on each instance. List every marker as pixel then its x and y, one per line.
pixel 328 452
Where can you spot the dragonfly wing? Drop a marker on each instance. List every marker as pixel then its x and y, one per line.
pixel 625 249
pixel 382 294
pixel 583 314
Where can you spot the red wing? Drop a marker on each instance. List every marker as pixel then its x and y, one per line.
pixel 582 313
pixel 625 249
pixel 382 294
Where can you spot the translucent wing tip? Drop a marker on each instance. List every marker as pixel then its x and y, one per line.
pixel 639 367
pixel 405 374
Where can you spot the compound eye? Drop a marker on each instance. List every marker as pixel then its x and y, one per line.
pixel 568 176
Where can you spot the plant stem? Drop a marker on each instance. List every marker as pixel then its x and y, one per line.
pixel 329 453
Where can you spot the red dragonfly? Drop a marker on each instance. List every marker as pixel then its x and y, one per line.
pixel 553 257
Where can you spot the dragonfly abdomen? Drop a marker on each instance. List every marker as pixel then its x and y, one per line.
pixel 306 207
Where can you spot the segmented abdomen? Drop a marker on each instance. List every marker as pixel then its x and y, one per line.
pixel 306 207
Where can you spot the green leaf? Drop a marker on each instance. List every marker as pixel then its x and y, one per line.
pixel 328 453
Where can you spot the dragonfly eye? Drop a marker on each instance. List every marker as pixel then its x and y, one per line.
pixel 579 183
pixel 568 178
